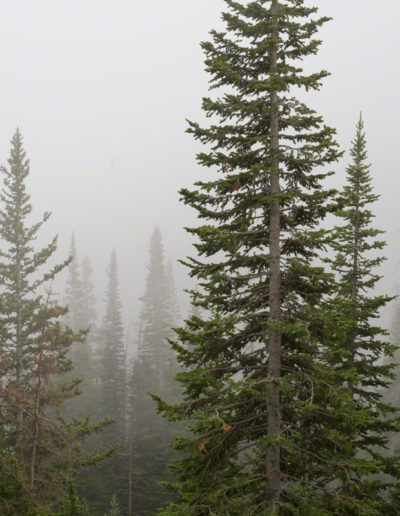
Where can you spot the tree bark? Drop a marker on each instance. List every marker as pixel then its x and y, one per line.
pixel 273 488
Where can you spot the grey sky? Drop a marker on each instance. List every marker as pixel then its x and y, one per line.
pixel 101 90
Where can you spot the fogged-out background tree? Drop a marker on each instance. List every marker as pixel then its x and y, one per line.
pixel 118 383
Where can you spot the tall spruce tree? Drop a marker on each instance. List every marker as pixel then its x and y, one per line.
pixel 74 289
pixel 261 393
pixel 363 357
pixel 173 298
pixel 153 371
pixel 38 448
pixel 81 315
pixel 110 479
pixel 80 293
pixel 114 507
pixel 157 314
pixel 112 355
pixel 89 313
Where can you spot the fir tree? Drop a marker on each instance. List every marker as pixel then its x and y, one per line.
pixel 74 289
pixel 173 299
pixel 112 375
pixel 110 478
pixel 153 371
pixel 89 314
pixel 157 314
pixel 363 356
pixel 71 505
pixel 114 507
pixel 261 393
pixel 38 445
pixel 81 315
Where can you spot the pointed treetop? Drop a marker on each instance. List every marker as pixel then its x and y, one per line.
pixel 73 252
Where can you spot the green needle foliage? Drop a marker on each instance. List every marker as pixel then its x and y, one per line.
pixel 153 371
pixel 99 486
pixel 362 356
pixel 264 397
pixel 81 315
pixel 38 446
pixel 112 355
pixel 114 507
pixel 71 505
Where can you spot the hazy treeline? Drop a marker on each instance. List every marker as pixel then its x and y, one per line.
pixel 118 385
pixel 77 419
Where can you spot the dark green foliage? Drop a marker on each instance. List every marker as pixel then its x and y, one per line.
pixel 392 394
pixel 226 351
pixel 38 445
pixel 114 507
pixel 71 505
pixel 363 358
pixel 358 255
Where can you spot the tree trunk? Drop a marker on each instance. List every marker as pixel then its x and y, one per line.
pixel 36 430
pixel 274 349
pixel 130 481
pixel 18 352
pixel 35 443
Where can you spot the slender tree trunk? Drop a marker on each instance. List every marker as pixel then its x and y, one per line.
pixel 36 430
pixel 18 351
pixel 32 466
pixel 274 349
pixel 130 481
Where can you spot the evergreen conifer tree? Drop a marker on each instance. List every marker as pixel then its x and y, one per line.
pixel 89 313
pixel 112 354
pixel 110 478
pixel 157 313
pixel 114 507
pixel 261 393
pixel 81 315
pixel 38 445
pixel 363 357
pixel 173 301
pixel 153 371
pixel 71 505
pixel 74 289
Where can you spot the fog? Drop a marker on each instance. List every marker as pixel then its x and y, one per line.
pixel 101 91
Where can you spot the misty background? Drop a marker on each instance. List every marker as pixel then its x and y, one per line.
pixel 101 89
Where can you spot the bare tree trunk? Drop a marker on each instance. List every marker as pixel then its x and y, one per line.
pixel 273 488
